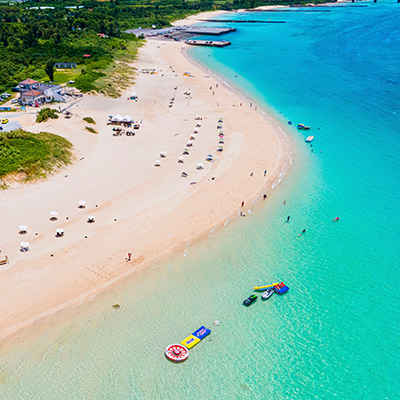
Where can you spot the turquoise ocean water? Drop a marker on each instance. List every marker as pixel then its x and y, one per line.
pixel 335 334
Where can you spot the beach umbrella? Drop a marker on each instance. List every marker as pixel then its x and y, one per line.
pixel 81 203
pixel 163 154
pixel 196 131
pixel 200 166
pixel 23 229
pixel 197 116
pixel 189 143
pixel 198 125
pixel 186 151
pixel 90 218
pixel 53 215
pixel 157 163
pixel 24 246
pixel 181 159
pixel 59 232
pixel 209 155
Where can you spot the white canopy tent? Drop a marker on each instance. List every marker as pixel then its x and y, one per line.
pixel 81 203
pixel 127 118
pixel 116 118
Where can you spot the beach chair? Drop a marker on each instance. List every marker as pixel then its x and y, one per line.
pixel 4 260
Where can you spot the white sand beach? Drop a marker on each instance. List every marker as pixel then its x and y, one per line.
pixel 138 208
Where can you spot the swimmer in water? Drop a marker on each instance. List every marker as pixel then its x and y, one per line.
pixel 288 218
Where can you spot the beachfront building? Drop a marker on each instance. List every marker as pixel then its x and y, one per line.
pixel 33 93
pixel 65 65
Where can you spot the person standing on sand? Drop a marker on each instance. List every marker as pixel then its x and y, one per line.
pixel 251 174
pixel 265 172
pixel 129 256
pixel 242 203
pixel 265 196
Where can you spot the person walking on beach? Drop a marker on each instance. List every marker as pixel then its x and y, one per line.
pixel 265 196
pixel 242 203
pixel 265 172
pixel 129 256
pixel 251 174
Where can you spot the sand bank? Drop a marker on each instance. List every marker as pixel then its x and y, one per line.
pixel 139 208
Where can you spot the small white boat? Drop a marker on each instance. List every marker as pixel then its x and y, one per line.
pixel 309 139
pixel 268 293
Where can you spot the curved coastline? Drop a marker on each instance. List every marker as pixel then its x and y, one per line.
pixel 219 214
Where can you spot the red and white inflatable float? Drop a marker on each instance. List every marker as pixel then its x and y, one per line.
pixel 176 352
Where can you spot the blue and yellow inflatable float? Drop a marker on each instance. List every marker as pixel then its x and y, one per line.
pixel 180 352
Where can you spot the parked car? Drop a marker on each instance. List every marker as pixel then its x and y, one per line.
pixel 4 121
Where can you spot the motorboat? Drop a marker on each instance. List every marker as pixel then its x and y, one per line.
pixel 303 127
pixel 309 139
pixel 251 299
pixel 267 294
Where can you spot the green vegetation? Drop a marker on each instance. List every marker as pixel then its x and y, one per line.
pixel 32 155
pixel 90 120
pixel 49 69
pixel 90 129
pixel 45 114
pixel 32 38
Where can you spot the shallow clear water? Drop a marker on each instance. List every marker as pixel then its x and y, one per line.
pixel 335 334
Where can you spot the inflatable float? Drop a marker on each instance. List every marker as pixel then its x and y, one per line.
pixel 180 352
pixel 176 352
pixel 281 288
pixel 263 287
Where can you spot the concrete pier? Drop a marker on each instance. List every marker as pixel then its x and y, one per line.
pixel 211 43
pixel 243 21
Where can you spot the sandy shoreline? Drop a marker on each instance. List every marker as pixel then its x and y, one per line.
pixel 139 208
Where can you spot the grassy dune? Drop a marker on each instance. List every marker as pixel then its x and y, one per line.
pixel 32 156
